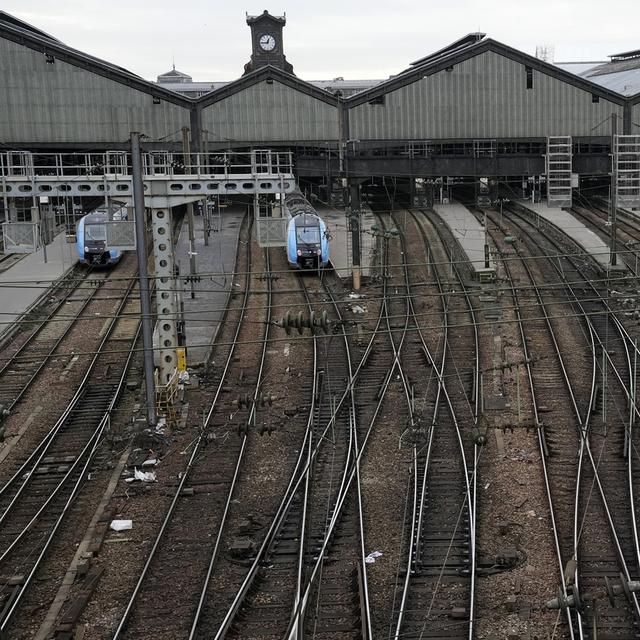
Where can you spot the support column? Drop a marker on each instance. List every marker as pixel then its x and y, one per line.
pixel 166 306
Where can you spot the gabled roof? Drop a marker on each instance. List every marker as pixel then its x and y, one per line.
pixel 31 37
pixel 624 82
pixel 456 45
pixel 615 66
pixel 621 74
pixel 7 18
pixel 267 73
pixel 435 64
pixel 265 15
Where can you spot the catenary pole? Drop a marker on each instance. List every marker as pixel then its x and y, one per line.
pixel 186 152
pixel 614 190
pixel 145 300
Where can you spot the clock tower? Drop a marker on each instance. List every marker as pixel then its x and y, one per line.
pixel 266 42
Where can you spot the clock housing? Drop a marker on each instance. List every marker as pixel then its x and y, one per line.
pixel 266 40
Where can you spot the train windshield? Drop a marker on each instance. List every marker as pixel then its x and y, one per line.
pixel 95 232
pixel 308 235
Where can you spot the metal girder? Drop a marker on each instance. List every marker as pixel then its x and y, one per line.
pixel 32 175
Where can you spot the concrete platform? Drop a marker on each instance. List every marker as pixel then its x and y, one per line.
pixel 204 312
pixel 587 239
pixel 469 233
pixel 24 283
pixel 340 245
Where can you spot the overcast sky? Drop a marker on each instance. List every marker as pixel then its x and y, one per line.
pixel 354 39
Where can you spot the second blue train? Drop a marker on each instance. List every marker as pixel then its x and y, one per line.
pixel 307 235
pixel 91 238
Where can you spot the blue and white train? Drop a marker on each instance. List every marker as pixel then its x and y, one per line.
pixel 91 238
pixel 307 235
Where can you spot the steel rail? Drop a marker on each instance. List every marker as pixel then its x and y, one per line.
pixel 302 601
pixel 96 440
pixel 418 504
pixel 351 471
pixel 544 452
pixel 274 527
pixel 634 412
pixel 190 464
pixel 583 425
pixel 471 490
pixel 297 617
pixel 61 284
pixel 15 358
pixel 223 521
pixel 40 451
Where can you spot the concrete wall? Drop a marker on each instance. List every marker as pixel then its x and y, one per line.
pixel 483 97
pixel 62 103
pixel 271 112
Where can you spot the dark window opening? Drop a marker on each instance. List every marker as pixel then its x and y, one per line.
pixel 449 69
pixel 377 100
pixel 529 72
pixel 595 98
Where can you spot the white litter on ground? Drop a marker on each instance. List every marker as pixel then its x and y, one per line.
pixel 144 476
pixel 121 525
pixel 371 558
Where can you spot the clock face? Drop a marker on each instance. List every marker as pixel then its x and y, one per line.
pixel 267 42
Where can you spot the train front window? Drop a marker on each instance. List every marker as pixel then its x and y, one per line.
pixel 308 235
pixel 95 232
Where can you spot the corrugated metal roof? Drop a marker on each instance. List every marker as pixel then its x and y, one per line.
pixel 348 87
pixel 616 65
pixel 625 82
pixel 578 68
pixel 16 22
pixel 456 45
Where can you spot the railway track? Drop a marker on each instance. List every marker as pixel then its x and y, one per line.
pixel 435 595
pixel 20 369
pixel 308 569
pixel 215 460
pixel 600 540
pixel 36 499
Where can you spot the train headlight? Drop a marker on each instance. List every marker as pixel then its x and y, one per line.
pixel 86 249
pixel 318 251
pixel 299 252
